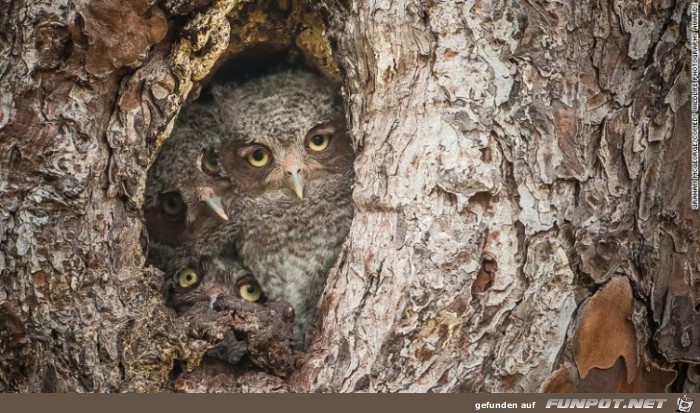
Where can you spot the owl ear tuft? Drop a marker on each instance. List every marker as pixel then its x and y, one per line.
pixel 223 95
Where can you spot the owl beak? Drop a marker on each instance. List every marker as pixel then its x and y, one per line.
pixel 293 166
pixel 295 182
pixel 208 196
pixel 213 293
pixel 214 202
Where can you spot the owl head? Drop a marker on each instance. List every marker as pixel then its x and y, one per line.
pixel 285 138
pixel 182 189
pixel 209 279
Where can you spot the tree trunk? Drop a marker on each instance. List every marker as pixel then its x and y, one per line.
pixel 523 217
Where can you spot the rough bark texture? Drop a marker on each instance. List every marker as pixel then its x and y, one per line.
pixel 522 220
pixel 516 158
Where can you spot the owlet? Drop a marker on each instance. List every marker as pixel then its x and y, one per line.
pixel 289 159
pixel 182 208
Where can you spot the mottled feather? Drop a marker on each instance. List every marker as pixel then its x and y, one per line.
pixel 179 222
pixel 288 243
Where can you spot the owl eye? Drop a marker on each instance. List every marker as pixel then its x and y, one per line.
pixel 210 162
pixel 250 291
pixel 258 158
pixel 318 143
pixel 171 203
pixel 187 278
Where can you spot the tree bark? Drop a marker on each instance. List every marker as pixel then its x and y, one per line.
pixel 523 218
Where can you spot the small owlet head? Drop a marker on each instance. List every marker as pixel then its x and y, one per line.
pixel 207 280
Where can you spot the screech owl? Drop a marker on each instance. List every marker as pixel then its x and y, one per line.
pixel 288 156
pixel 207 279
pixel 221 283
pixel 182 207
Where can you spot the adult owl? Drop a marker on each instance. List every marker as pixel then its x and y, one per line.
pixel 289 159
pixel 182 207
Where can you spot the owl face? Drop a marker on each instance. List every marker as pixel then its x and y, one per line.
pixel 285 137
pixel 207 280
pixel 183 186
pixel 289 168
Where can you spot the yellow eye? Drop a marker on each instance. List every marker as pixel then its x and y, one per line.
pixel 210 162
pixel 250 291
pixel 187 277
pixel 171 203
pixel 318 143
pixel 258 158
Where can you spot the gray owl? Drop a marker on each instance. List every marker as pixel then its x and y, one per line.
pixel 182 207
pixel 219 283
pixel 209 279
pixel 289 159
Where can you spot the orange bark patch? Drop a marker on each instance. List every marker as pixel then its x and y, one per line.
pixel 487 274
pixel 560 381
pixel 39 278
pixel 649 378
pixel 606 332
pixel 604 381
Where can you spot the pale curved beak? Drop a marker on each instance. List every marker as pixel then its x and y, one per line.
pixel 293 166
pixel 213 293
pixel 214 203
pixel 209 197
pixel 295 182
